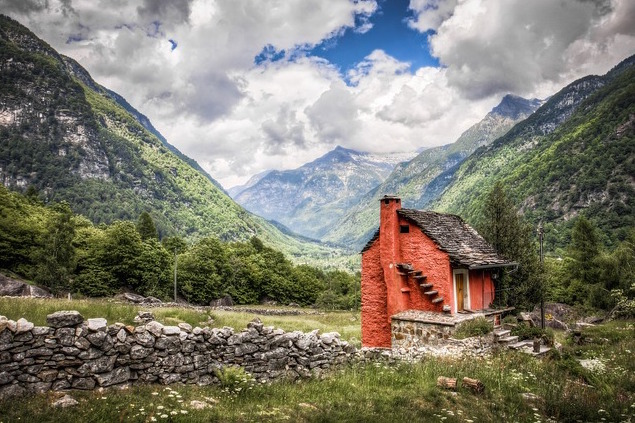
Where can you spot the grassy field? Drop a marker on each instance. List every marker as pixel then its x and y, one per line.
pixel 603 389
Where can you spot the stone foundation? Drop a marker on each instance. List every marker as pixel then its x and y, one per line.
pixel 71 353
pixel 415 328
pixel 409 334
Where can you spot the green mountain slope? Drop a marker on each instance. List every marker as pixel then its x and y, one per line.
pixel 72 140
pixel 420 180
pixel 575 155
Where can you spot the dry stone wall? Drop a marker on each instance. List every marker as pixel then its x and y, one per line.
pixel 71 353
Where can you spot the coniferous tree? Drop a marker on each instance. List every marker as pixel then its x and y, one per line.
pixel 146 227
pixel 503 228
pixel 584 250
pixel 56 256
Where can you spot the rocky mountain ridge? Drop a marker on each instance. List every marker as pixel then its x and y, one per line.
pixel 575 155
pixel 312 198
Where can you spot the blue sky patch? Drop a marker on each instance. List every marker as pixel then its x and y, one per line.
pixel 389 32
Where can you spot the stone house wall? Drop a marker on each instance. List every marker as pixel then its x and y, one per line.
pixel 71 353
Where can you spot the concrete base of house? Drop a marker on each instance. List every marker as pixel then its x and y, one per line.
pixel 414 328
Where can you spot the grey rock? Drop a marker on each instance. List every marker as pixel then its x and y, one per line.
pixel 97 324
pixel 186 327
pixel 85 383
pixel 246 348
pixel 65 401
pixel 5 378
pixel 154 327
pixel 171 330
pixel 100 365
pixel 138 352
pixel 12 391
pixel 134 298
pixel 225 301
pixel 41 330
pixel 144 317
pixel 144 339
pixel 60 385
pixel 151 300
pixel 330 337
pixel 97 338
pixel 23 325
pixel 119 375
pixel 62 319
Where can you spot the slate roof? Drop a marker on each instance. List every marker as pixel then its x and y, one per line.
pixel 451 234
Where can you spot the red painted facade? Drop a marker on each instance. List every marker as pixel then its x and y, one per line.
pixel 385 292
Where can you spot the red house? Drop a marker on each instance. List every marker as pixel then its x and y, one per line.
pixel 426 262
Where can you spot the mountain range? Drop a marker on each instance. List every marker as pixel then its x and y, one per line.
pixel 574 156
pixel 313 198
pixel 412 181
pixel 76 141
pixel 73 140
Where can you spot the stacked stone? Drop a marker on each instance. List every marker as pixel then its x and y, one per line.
pixel 71 353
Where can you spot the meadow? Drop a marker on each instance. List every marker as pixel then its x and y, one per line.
pixel 591 378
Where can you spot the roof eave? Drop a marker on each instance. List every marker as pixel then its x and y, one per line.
pixel 492 266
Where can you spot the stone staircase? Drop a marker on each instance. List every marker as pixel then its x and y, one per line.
pixel 406 269
pixel 503 337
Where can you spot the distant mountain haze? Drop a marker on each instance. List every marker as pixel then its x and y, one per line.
pixel 311 199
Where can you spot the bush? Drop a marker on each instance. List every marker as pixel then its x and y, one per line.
pixel 234 379
pixel 475 327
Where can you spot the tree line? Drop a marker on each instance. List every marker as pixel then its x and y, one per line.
pixel 584 274
pixel 65 252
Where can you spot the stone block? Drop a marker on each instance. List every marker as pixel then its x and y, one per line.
pixel 62 319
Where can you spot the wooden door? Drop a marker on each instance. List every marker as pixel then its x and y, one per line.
pixel 460 291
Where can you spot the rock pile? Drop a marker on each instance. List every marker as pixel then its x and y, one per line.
pixel 71 353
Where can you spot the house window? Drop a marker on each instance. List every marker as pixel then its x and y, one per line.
pixel 404 229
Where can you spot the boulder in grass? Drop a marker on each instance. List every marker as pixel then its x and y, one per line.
pixel 226 301
pixel 62 319
pixel 133 298
pixel 65 401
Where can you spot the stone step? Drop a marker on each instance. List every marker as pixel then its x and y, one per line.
pixel 426 285
pixel 421 277
pixel 405 266
pixel 431 293
pixel 501 333
pixel 437 300
pixel 417 273
pixel 405 290
pixel 508 339
pixel 520 345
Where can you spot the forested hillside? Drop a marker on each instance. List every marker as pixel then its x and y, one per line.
pixel 558 169
pixel 65 252
pixel 71 140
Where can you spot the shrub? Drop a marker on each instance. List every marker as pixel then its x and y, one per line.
pixel 475 327
pixel 234 380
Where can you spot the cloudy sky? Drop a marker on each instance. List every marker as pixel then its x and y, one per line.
pixel 247 85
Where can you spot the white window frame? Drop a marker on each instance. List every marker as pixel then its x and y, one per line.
pixel 466 275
